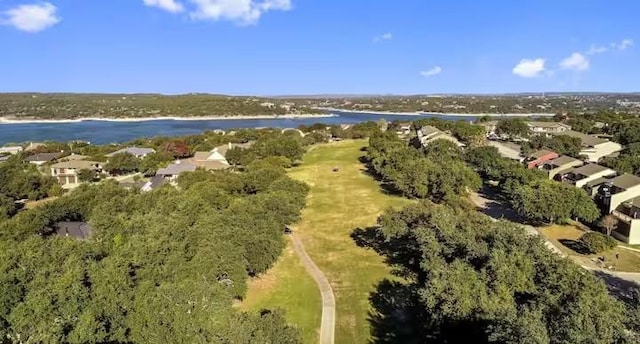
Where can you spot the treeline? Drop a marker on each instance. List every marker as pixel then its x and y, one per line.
pixel 468 279
pixel 436 172
pixel 159 267
pixel 69 106
pixel 465 278
pixel 492 104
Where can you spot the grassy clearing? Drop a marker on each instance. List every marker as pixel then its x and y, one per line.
pixel 340 202
pixel 288 286
pixel 618 258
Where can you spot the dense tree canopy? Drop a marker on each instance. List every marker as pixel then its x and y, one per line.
pixel 159 267
pixel 547 200
pixel 437 173
pixel 513 127
pixel 122 163
pixel 472 280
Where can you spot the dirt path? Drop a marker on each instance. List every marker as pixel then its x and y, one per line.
pixel 328 324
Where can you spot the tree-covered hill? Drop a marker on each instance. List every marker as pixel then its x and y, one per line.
pixel 70 106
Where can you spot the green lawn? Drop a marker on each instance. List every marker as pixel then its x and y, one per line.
pixel 288 286
pixel 338 203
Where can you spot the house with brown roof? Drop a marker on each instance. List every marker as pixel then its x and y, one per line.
pixel 539 157
pixel 618 190
pixel 560 164
pixel 593 147
pixel 66 172
pixel 583 175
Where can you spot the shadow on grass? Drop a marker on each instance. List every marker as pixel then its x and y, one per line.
pixel 399 254
pixel 574 245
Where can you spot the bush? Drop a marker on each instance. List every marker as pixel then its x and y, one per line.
pixel 595 242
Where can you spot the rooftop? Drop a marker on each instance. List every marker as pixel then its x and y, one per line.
pixel 137 151
pixel 563 160
pixel 43 157
pixel 78 230
pixel 587 140
pixel 547 124
pixel 222 149
pixel 428 130
pixel 590 169
pixel 626 181
pixel 77 164
pixel 176 169
pixel 540 153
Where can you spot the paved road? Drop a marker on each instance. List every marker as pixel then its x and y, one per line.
pixel 328 324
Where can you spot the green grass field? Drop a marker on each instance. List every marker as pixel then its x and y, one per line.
pixel 338 203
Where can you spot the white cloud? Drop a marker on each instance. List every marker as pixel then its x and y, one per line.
pixel 528 68
pixel 384 37
pixel 576 62
pixel 596 49
pixel 172 6
pixel 431 72
pixel 31 18
pixel 245 12
pixel 623 45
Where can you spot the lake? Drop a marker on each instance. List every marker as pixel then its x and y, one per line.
pixel 104 132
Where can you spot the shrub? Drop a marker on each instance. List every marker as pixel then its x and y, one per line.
pixel 595 242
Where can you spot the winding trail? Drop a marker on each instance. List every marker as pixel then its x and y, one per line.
pixel 328 324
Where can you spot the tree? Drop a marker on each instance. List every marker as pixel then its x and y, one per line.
pixel 486 160
pixel 87 175
pixel 152 162
pixel 547 200
pixel 594 242
pixel 468 279
pixel 287 147
pixel 176 149
pixel 237 156
pixel 513 127
pixel 122 163
pixel 608 223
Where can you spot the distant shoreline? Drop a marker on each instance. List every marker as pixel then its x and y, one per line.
pixel 418 113
pixel 5 120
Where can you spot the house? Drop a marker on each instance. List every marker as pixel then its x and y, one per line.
pixel 154 183
pixel 404 129
pixel 171 172
pixel 546 128
pixel 11 149
pixel 209 161
pixel 76 230
pixel 618 190
pixel 4 158
pixel 559 165
pixel 42 158
pixel 581 176
pixel 538 158
pixel 66 172
pixel 428 134
pixel 593 147
pixel 628 227
pixel 135 151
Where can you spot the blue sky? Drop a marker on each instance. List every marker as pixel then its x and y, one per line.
pixel 276 47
